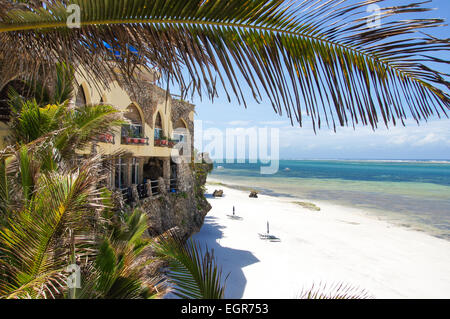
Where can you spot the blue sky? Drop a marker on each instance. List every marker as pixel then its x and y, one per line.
pixel 430 140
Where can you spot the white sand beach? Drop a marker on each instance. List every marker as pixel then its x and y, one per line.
pixel 334 245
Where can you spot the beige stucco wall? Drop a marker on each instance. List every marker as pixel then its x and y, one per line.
pixel 119 98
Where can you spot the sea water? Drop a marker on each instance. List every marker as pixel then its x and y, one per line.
pixel 414 194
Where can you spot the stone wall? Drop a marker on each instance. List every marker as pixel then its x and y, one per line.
pixel 185 209
pixel 148 96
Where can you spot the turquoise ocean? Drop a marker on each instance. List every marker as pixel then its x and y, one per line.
pixel 413 194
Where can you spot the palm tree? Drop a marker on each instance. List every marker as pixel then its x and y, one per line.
pixel 120 267
pixel 44 228
pixel 66 220
pixel 54 214
pixel 320 58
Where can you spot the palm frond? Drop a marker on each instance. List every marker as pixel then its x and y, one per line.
pixel 33 253
pixel 334 291
pixel 315 58
pixel 4 190
pixel 193 274
pixel 66 129
pixel 64 83
pixel 119 270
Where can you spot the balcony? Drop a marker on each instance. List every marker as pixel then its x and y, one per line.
pixel 134 140
pixel 133 193
pixel 106 138
pixel 132 135
pixel 163 142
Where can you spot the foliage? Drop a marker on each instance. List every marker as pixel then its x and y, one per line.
pixel 119 269
pixel 55 213
pixel 193 274
pixel 44 229
pixel 320 59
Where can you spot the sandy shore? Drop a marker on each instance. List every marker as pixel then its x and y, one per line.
pixel 334 245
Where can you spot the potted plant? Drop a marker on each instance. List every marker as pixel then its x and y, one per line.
pixel 158 142
pixel 108 138
pixel 127 134
pixel 142 140
pixel 171 142
pixel 164 141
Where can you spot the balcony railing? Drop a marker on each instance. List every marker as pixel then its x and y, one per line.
pixel 127 195
pixel 134 140
pixel 142 191
pixel 148 189
pixel 164 142
pixel 106 138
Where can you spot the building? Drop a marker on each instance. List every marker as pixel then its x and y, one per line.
pixel 157 136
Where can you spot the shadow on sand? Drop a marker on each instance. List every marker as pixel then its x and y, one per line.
pixel 230 260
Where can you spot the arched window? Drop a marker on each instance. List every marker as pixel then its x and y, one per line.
pixel 180 132
pixel 180 124
pixel 80 99
pixel 135 128
pixel 158 127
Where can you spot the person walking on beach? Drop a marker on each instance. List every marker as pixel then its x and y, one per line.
pixel 233 210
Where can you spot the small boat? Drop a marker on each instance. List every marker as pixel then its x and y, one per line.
pixel 287 169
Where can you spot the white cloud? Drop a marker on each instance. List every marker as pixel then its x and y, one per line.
pixel 431 138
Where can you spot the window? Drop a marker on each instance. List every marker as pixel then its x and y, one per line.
pixel 179 137
pixel 158 127
pixel 121 173
pixel 135 128
pixel 158 133
pixel 180 133
pixel 132 130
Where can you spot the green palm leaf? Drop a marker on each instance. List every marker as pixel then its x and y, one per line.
pixel 33 253
pixel 119 270
pixel 318 58
pixel 193 275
